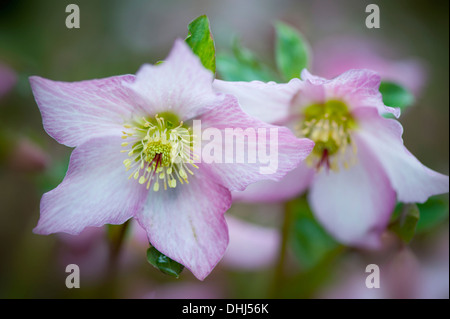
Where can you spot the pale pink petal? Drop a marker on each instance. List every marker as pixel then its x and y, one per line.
pixel 354 205
pixel 186 223
pixel 308 94
pixel 359 88
pixel 180 85
pixel 251 246
pixel 293 184
pixel 313 79
pixel 74 112
pixel 412 181
pixel 95 191
pixel 238 167
pixel 269 102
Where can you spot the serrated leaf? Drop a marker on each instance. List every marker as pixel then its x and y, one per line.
pixel 405 225
pixel 395 95
pixel 201 41
pixel 310 242
pixel 432 213
pixel 243 65
pixel 291 51
pixel 164 263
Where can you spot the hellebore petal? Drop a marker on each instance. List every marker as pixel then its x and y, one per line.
pixel 268 102
pixel 235 175
pixel 186 223
pixel 354 204
pixel 313 79
pixel 94 192
pixel 359 88
pixel 293 184
pixel 412 181
pixel 180 85
pixel 75 112
pixel 251 246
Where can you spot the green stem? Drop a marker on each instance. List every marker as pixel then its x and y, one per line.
pixel 116 243
pixel 279 278
pixel 116 235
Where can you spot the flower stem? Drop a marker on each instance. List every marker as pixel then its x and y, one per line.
pixel 116 235
pixel 116 240
pixel 279 278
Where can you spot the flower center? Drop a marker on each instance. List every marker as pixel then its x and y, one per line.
pixel 329 125
pixel 160 151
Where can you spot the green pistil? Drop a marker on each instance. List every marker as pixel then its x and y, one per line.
pixel 163 148
pixel 328 125
pixel 161 151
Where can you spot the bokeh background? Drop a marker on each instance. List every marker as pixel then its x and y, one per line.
pixel 116 37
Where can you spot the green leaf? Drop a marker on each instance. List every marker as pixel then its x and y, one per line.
pixel 396 214
pixel 395 95
pixel 306 284
pixel 201 41
pixel 291 51
pixel 164 263
pixel 432 213
pixel 310 242
pixel 243 65
pixel 405 225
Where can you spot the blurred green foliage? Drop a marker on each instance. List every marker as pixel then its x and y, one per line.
pixel 406 222
pixel 292 52
pixel 310 242
pixel 243 65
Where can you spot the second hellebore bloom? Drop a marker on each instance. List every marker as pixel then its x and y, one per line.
pixel 359 166
pixel 133 141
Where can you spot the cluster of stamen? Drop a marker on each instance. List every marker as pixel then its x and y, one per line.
pixel 329 125
pixel 160 153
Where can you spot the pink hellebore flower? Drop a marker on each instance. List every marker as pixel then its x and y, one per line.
pixel 28 157
pixel 359 167
pixel 360 53
pixel 142 124
pixel 251 246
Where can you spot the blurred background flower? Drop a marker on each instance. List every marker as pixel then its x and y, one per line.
pixel 336 55
pixel 7 79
